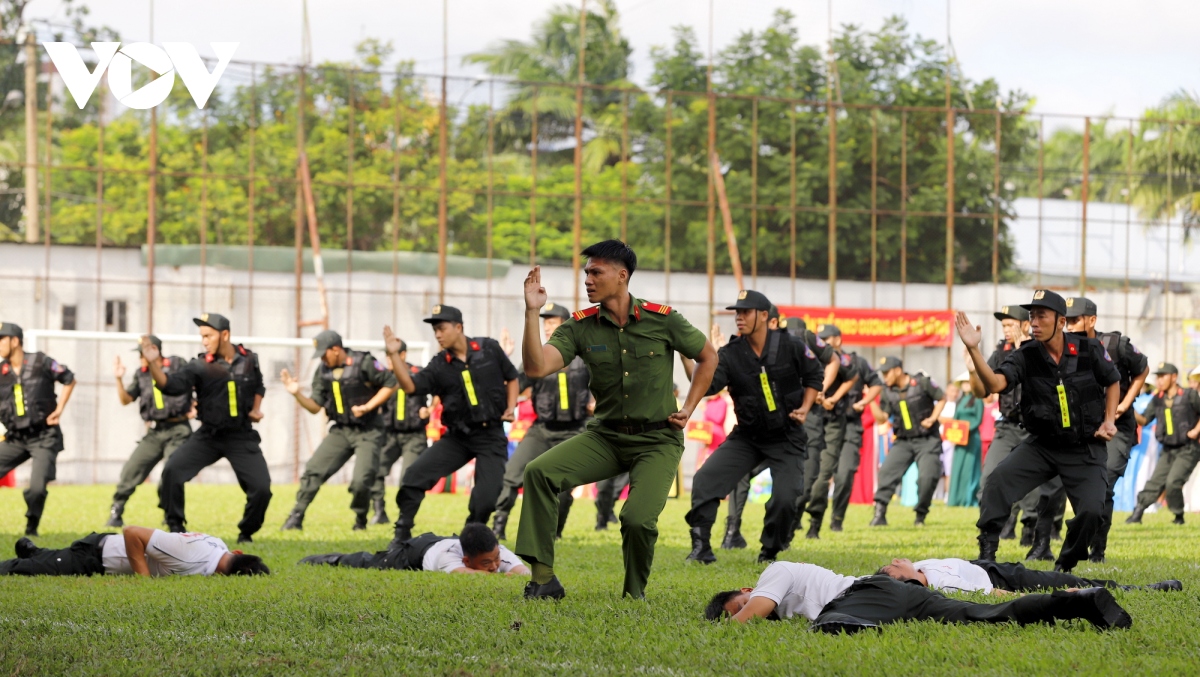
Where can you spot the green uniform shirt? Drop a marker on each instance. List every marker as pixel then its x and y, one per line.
pixel 631 367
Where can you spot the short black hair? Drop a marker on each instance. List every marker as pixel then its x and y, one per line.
pixel 716 606
pixel 615 251
pixel 247 565
pixel 476 539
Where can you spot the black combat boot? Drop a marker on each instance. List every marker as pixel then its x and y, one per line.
pixel 988 545
pixel 360 523
pixel 814 526
pixel 1178 519
pixel 498 523
pixel 1041 552
pixel 1027 529
pixel 331 559
pixel 919 520
pixel 766 555
pixel 381 516
pixel 701 549
pixel 1009 532
pixel 31 525
pixel 880 518
pixel 295 521
pixel 402 534
pixel 1136 517
pixel 115 514
pixel 733 535
pixel 601 522
pixel 835 524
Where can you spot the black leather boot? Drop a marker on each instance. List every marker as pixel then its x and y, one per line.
pixel 701 549
pixel 381 516
pixel 733 535
pixel 1041 552
pixel 1178 519
pixel 1009 532
pixel 1136 517
pixel 601 522
pixel 988 545
pixel 295 521
pixel 1027 528
pixel 360 523
pixel 31 525
pixel 814 526
pixel 402 534
pixel 498 523
pixel 115 514
pixel 880 518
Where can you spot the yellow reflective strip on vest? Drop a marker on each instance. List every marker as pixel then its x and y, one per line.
pixel 158 401
pixel 1170 422
pixel 337 397
pixel 766 386
pixel 1062 405
pixel 19 396
pixel 233 399
pixel 470 386
pixel 400 404
pixel 563 400
pixel 904 415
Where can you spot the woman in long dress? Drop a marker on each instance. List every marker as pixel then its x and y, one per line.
pixel 967 464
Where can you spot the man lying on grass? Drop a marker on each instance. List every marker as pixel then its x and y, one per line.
pixel 475 551
pixel 139 550
pixel 836 603
pixel 998 578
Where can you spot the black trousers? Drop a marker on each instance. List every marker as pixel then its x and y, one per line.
pixel 42 446
pixel 489 448
pixel 204 448
pixel 82 558
pixel 607 493
pixel 882 599
pixel 1082 469
pixel 738 455
pixel 1014 577
pixel 408 557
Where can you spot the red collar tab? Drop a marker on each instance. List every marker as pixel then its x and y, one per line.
pixel 209 357
pixel 580 315
pixel 413 369
pixel 349 360
pixel 656 308
pixel 449 357
pixel 1072 349
pixel 1008 345
pixel 912 381
pixel 144 369
pixel 166 361
pixel 4 369
pixel 241 349
pixel 474 345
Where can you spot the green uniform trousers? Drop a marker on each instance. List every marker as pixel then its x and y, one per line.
pixel 339 445
pixel 1118 460
pixel 403 447
pixel 1174 467
pixel 538 440
pixel 652 461
pixel 814 429
pixel 42 447
pixel 926 452
pixel 1008 436
pixel 840 464
pixel 158 443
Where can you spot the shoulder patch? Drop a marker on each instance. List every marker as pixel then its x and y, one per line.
pixel 1106 355
pixel 579 315
pixel 820 342
pixel 809 353
pixel 379 366
pixel 56 367
pixel 656 308
pixel 845 360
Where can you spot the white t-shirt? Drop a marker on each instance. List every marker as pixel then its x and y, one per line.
pixel 167 554
pixel 954 575
pixel 447 555
pixel 800 589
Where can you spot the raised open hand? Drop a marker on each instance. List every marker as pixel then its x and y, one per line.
pixel 969 333
pixel 289 382
pixel 391 342
pixel 118 368
pixel 535 293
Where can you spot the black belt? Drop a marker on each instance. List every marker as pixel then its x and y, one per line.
pixel 559 426
pixel 636 429
pixel 167 423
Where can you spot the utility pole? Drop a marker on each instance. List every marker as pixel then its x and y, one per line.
pixel 32 224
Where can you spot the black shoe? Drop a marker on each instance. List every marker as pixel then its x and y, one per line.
pixel 988 545
pixel 1178 519
pixel 701 549
pixel 1096 558
pixel 835 525
pixel 1060 568
pixel 381 516
pixel 919 521
pixel 294 522
pixel 1009 532
pixel 499 522
pixel 175 528
pixel 1040 552
pixel 114 516
pixel 601 522
pixel 25 548
pixel 766 556
pixel 814 527
pixel 552 590
pixel 1097 606
pixel 244 538
pixel 1136 517
pixel 1056 533
pixel 1027 530
pixel 401 535
pixel 880 518
pixel 733 536
pixel 331 559
pixel 31 525
pixel 1170 585
pixel 612 518
pixel 360 523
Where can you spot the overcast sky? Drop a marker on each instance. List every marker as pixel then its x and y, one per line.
pixel 1074 56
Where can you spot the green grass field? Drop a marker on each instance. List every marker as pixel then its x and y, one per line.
pixel 321 620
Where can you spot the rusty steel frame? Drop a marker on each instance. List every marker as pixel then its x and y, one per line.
pixel 533 153
pixel 754 192
pixel 577 222
pixel 874 204
pixel 1083 196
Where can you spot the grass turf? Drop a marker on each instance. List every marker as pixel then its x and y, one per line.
pixel 323 620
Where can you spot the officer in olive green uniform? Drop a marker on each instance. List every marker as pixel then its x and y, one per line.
pixel 1177 411
pixel 404 438
pixel 350 385
pixel 30 413
pixel 561 403
pixel 166 426
pixel 914 404
pixel 832 416
pixel 628 345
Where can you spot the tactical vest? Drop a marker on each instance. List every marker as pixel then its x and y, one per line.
pixel 350 390
pixel 912 405
pixel 1061 408
pixel 230 409
pixel 1010 402
pixel 152 403
pixel 402 412
pixel 1175 420
pixel 26 399
pixel 1111 340
pixel 483 383
pixel 563 397
pixel 763 399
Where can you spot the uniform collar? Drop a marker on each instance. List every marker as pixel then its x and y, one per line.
pixel 473 346
pixel 635 310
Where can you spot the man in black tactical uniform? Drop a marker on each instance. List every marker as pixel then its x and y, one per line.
pixel 350 386
pixel 167 427
pixel 561 403
pixel 30 413
pixel 1178 413
pixel 478 387
pixel 1069 395
pixel 404 437
pixel 913 405
pixel 229 390
pixel 773 379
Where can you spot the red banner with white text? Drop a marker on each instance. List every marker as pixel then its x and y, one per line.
pixel 880 326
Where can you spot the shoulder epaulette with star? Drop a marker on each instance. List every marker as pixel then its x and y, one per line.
pixel 656 308
pixel 580 315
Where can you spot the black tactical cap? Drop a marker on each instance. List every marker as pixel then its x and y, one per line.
pixel 152 340
pixel 773 314
pixel 10 329
pixel 748 299
pixel 797 325
pixel 889 363
pixel 218 322
pixel 1044 298
pixel 1079 306
pixel 440 313
pixel 324 341
pixel 1017 313
pixel 1166 368
pixel 555 310
pixel 828 331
